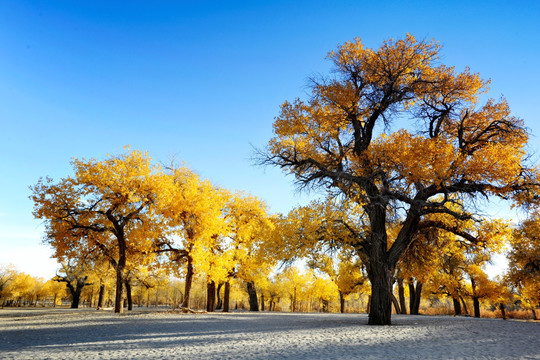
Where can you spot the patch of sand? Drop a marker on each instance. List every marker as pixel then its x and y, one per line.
pixel 142 334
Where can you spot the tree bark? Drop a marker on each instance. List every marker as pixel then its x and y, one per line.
pixel 219 304
pixel 457 306
pixel 262 302
pixel 128 295
pixel 412 296
pixel 210 296
pixel 401 294
pixel 476 306
pixel 341 303
pixel 101 296
pixel 381 278
pixel 252 292
pixel 534 314
pixel 189 280
pixel 226 297
pixel 417 298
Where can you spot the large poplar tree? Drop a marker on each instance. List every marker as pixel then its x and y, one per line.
pixel 108 208
pixel 400 134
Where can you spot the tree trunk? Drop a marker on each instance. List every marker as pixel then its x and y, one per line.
pixel 189 280
pixel 341 303
pixel 401 293
pixel 252 292
pixel 219 304
pixel 417 298
pixel 534 314
pixel 226 296
pixel 412 296
pixel 120 268
pixel 101 296
pixel 396 304
pixel 210 296
pixel 381 277
pixel 76 295
pixel 503 311
pixel 128 295
pixel 476 305
pixel 464 305
pixel 457 306
pixel 262 302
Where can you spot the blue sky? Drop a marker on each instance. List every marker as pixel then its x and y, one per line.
pixel 203 81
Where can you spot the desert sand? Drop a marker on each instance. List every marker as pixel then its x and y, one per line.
pixel 44 333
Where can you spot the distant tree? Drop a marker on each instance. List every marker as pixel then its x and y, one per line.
pixel 343 138
pixel 524 262
pixel 75 277
pixel 7 275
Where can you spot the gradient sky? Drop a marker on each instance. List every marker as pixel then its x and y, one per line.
pixel 203 80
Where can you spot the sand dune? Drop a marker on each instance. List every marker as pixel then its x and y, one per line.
pixel 142 334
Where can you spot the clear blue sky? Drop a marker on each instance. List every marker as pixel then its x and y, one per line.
pixel 202 80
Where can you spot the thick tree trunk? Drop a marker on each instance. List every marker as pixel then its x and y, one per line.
pixel 210 296
pixel 252 292
pixel 401 294
pixel 76 296
pixel 341 303
pixel 189 280
pixel 381 278
pixel 101 296
pixel 476 306
pixel 128 295
pixel 457 306
pixel 226 297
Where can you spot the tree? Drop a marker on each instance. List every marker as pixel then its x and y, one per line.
pixel 343 138
pixel 524 262
pixel 75 277
pixel 195 219
pixel 249 237
pixel 107 207
pixel 7 275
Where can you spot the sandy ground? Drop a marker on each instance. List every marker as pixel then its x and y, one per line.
pixel 142 334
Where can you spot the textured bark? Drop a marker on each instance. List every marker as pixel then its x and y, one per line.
pixel 253 301
pixel 380 310
pixel 189 280
pixel 226 297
